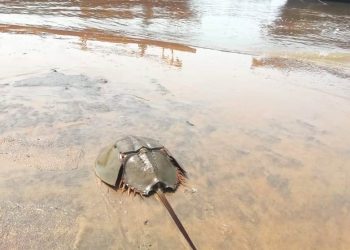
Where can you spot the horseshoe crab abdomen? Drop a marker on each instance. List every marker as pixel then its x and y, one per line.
pixel 148 168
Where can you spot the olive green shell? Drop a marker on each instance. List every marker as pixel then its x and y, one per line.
pixel 140 163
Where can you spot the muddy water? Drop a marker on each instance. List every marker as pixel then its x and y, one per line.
pixel 264 136
pixel 249 26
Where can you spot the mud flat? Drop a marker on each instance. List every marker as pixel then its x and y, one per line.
pixel 265 140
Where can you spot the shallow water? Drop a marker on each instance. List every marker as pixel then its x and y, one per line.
pixel 240 26
pixel 264 136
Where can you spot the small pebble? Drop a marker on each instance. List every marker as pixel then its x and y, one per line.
pixel 190 123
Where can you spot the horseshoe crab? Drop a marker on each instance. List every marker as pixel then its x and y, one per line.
pixel 143 166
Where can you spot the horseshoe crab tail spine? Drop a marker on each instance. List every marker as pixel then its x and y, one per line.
pixel 167 205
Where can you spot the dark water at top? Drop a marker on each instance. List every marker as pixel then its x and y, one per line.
pixel 241 26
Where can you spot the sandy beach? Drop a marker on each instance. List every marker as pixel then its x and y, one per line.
pixel 264 135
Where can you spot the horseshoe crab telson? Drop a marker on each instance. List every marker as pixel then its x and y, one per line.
pixel 143 166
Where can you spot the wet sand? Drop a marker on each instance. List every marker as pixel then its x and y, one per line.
pixel 264 138
pixel 266 149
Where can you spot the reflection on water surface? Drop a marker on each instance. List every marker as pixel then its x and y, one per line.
pixel 241 26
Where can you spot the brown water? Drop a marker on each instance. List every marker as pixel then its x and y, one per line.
pixel 263 134
pixel 241 26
